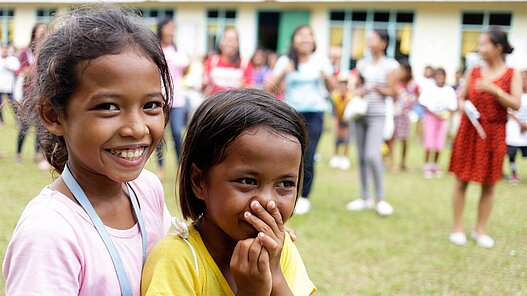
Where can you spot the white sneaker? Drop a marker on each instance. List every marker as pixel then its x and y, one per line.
pixel 384 208
pixel 334 161
pixel 359 204
pixel 483 240
pixel 458 238
pixel 344 163
pixel 303 205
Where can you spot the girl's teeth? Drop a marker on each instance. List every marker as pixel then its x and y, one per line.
pixel 129 154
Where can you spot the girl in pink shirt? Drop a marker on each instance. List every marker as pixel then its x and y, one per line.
pixel 99 95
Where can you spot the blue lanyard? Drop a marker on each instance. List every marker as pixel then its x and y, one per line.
pixel 81 197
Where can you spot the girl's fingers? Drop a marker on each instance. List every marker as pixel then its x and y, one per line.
pixel 275 213
pixel 266 241
pixel 261 220
pixel 263 261
pixel 240 255
pixel 254 253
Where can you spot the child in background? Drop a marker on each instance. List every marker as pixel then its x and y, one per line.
pixel 340 99
pixel 438 100
pixel 407 92
pixel 8 66
pixel 260 67
pixel 516 128
pixel 239 177
pixel 99 96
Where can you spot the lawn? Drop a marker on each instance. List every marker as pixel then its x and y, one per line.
pixel 357 253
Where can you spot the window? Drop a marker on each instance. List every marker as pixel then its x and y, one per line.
pixel 475 22
pixel 44 15
pixel 153 15
pixel 217 21
pixel 7 25
pixel 349 29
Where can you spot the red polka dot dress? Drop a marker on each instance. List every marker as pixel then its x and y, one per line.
pixel 475 159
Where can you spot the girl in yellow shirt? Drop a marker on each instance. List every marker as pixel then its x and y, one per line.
pixel 240 172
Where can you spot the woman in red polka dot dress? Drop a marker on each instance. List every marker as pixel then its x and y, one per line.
pixel 492 88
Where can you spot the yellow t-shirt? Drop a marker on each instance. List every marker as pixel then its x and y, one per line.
pixel 340 102
pixel 170 270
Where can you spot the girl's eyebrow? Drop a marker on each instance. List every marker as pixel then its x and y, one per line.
pixel 255 173
pixel 105 95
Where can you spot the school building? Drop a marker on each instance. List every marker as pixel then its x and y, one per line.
pixel 438 33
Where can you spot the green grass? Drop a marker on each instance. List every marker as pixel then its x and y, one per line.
pixel 357 253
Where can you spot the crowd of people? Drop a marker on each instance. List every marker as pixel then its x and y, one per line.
pixel 248 157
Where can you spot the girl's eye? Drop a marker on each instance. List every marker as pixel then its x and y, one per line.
pixel 107 107
pixel 153 105
pixel 247 181
pixel 286 184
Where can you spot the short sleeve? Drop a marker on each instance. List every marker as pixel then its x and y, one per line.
pixel 452 99
pixel 294 270
pixel 43 258
pixel 326 65
pixel 361 64
pixel 281 64
pixel 392 65
pixel 169 269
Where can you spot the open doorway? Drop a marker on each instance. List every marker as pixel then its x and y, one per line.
pixel 268 25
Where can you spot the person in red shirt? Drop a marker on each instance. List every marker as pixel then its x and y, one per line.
pixel 226 70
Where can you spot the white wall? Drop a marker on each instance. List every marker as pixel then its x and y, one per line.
pixel 436 39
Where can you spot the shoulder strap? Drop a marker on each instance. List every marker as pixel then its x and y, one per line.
pixel 182 231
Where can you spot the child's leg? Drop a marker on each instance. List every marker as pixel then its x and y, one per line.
pixel 404 149
pixel 458 203
pixel 485 207
pixel 511 153
pixel 1 107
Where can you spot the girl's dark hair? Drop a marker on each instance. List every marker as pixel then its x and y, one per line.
pixel 32 42
pixel 440 71
pixel 408 68
pixel 84 34
pixel 498 37
pixel 384 36
pixel 293 55
pixel 219 120
pixel 236 60
pixel 159 29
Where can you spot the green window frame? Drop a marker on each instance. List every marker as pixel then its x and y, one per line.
pixel 7 25
pixel 217 21
pixel 474 22
pixel 44 15
pixel 349 29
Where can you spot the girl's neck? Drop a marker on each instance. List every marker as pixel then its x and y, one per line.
pixel 377 56
pixel 302 58
pixel 495 64
pixel 219 245
pixel 165 44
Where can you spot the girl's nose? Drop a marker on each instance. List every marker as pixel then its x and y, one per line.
pixel 134 126
pixel 264 196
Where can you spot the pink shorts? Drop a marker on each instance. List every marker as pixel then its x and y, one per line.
pixel 434 132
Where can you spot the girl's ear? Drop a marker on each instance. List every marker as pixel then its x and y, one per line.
pixel 198 182
pixel 51 119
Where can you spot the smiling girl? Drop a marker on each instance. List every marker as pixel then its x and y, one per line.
pixel 98 93
pixel 240 173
